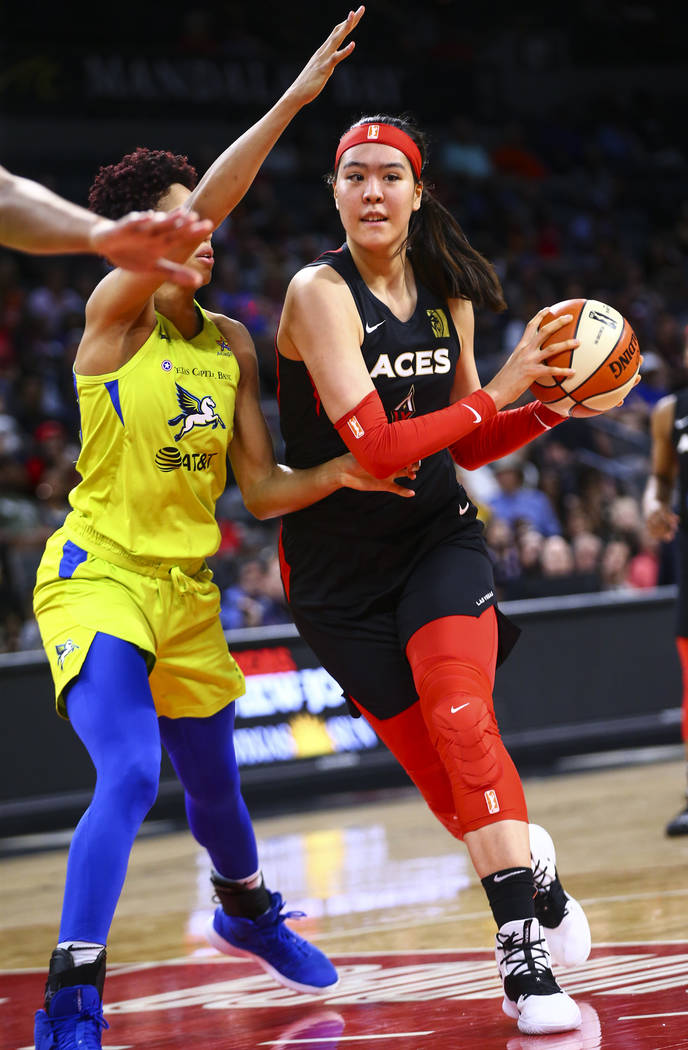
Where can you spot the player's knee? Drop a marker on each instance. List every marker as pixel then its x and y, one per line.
pixel 456 699
pixel 463 728
pixel 479 764
pixel 213 784
pixel 138 778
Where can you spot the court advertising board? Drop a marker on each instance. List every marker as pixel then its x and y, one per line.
pixel 292 708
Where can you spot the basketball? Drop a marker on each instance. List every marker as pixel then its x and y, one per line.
pixel 606 362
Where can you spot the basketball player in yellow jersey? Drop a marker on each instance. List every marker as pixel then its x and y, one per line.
pixel 127 610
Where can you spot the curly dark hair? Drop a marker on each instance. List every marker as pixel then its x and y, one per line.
pixel 138 181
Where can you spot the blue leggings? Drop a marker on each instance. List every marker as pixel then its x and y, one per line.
pixel 111 708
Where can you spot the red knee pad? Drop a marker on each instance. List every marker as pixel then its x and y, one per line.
pixel 457 707
pixel 453 663
pixel 406 736
pixel 463 727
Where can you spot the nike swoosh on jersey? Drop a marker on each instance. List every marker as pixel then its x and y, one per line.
pixel 460 708
pixel 371 328
pixel 462 510
pixel 508 875
pixel 478 417
pixel 681 423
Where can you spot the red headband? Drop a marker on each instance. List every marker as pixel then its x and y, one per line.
pixel 388 135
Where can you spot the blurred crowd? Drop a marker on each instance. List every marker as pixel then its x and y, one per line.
pixel 597 210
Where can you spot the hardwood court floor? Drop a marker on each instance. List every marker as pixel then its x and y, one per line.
pixel 394 900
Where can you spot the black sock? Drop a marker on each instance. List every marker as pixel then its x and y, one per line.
pixel 510 893
pixel 237 900
pixel 64 974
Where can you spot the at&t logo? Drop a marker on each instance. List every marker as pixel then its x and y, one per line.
pixel 170 458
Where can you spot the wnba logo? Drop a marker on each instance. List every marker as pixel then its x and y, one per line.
pixel 492 801
pixel 373 131
pixel 355 427
pixel 595 315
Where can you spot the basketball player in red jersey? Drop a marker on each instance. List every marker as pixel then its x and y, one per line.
pixel 670 464
pixel 375 353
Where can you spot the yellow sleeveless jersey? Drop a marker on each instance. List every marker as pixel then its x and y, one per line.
pixel 154 441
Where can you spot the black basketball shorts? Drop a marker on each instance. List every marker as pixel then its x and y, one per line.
pixel 682 578
pixel 366 654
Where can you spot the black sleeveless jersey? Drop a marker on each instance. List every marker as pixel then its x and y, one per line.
pixel 680 439
pixel 353 548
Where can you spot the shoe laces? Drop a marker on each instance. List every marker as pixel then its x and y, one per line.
pixel 64 1026
pixel 285 933
pixel 551 902
pixel 542 877
pixel 523 956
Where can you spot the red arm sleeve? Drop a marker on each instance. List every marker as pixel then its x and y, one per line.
pixel 504 433
pixel 383 447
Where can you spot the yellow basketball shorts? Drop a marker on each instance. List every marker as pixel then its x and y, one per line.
pixel 172 617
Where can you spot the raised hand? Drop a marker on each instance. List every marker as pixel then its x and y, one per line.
pixel 141 242
pixel 318 70
pixel 528 361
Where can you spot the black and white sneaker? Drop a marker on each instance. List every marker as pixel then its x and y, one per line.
pixel 563 919
pixel 531 994
pixel 679 825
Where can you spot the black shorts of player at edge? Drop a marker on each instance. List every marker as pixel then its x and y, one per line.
pixel 366 655
pixel 682 577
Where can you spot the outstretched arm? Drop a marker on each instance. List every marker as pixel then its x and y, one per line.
pixel 229 177
pixel 270 489
pixel 121 298
pixel 34 219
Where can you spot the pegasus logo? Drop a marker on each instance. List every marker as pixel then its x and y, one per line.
pixel 64 650
pixel 195 412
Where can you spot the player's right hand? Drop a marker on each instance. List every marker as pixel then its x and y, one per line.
pixel 354 476
pixel 141 242
pixel 528 361
pixel 318 70
pixel 661 522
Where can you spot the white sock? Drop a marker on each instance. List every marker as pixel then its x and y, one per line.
pixel 250 882
pixel 82 952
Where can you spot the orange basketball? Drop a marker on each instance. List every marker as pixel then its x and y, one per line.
pixel 606 362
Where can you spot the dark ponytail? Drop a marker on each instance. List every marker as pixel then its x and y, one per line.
pixel 444 260
pixel 442 257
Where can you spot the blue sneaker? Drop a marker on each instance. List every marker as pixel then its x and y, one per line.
pixel 287 957
pixel 73 1021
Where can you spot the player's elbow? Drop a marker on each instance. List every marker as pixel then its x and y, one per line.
pixel 259 505
pixel 465 457
pixel 467 462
